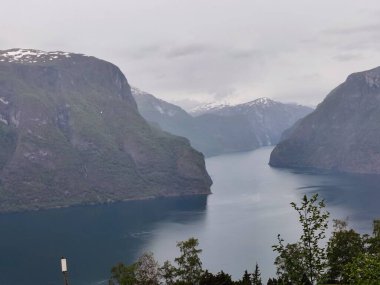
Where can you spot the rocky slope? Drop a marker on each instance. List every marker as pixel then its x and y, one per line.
pixel 342 134
pixel 70 133
pixel 223 129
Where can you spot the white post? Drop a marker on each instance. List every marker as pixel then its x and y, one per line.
pixel 64 269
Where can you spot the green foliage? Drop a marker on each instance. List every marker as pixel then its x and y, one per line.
pixel 343 247
pixel 279 281
pixel 189 265
pixel 220 278
pixel 374 241
pixel 123 275
pixel 309 255
pixel 364 269
pixel 168 273
pixel 289 261
pixel 189 268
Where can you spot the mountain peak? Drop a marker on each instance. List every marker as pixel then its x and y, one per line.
pixel 19 55
pixel 260 101
pixel 213 106
pixel 372 77
pixel 342 134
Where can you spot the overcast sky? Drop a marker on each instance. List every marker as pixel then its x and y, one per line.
pixel 207 50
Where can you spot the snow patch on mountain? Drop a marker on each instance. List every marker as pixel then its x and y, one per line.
pixel 4 101
pixel 31 56
pixel 260 101
pixel 209 107
pixel 159 109
pixel 216 107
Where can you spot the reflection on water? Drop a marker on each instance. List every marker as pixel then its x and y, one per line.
pixel 93 238
pixel 236 226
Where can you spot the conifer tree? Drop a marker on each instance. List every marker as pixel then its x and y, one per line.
pixel 256 276
pixel 246 278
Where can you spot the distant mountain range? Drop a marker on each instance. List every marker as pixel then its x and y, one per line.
pixel 208 108
pixel 342 134
pixel 70 133
pixel 217 129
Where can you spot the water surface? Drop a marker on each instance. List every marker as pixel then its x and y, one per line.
pixel 236 225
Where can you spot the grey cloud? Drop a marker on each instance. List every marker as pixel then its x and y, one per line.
pixel 186 104
pixel 142 51
pixel 350 41
pixel 186 50
pixel 372 28
pixel 305 77
pixel 245 53
pixel 202 50
pixel 347 57
pixel 222 93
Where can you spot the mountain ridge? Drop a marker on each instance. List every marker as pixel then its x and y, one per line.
pixel 342 133
pixel 70 133
pixel 223 129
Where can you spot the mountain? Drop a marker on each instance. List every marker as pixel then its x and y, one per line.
pixel 267 118
pixel 208 108
pixel 70 133
pixel 342 134
pixel 210 134
pixel 222 128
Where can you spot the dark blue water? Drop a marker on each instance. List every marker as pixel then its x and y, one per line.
pixel 236 226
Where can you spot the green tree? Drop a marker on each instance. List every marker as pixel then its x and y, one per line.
pixel 314 221
pixel 344 245
pixel 256 276
pixel 289 262
pixel 168 273
pixel 189 264
pixel 123 275
pixel 246 280
pixel 364 269
pixel 305 280
pixel 374 241
pixel 220 278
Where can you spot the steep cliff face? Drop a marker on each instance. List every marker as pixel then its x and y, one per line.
pixel 70 133
pixel 342 134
